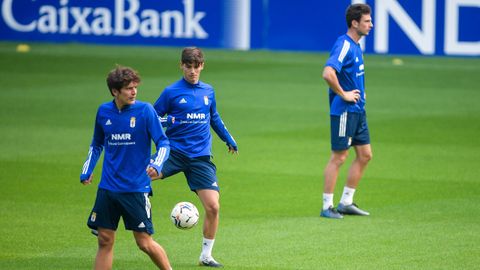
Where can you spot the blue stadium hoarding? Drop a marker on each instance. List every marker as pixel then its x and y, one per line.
pixel 427 27
pixel 112 22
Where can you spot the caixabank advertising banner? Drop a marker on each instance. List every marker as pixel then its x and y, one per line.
pixel 169 23
pixel 425 27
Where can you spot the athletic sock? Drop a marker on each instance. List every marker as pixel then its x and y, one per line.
pixel 347 196
pixel 327 200
pixel 207 247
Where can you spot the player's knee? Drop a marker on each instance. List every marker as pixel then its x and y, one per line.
pixel 105 241
pixel 369 156
pixel 339 159
pixel 213 209
pixel 342 159
pixel 366 157
pixel 144 246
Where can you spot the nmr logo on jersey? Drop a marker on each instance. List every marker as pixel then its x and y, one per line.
pixel 196 116
pixel 121 137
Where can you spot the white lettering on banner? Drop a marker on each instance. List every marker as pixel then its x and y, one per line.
pixel 63 14
pixel 423 40
pixel 130 15
pixel 102 24
pixel 124 22
pixel 452 45
pixel 192 19
pixel 47 23
pixel 167 17
pixel 150 26
pixel 7 15
pixel 80 16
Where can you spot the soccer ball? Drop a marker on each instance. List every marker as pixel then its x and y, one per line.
pixel 184 215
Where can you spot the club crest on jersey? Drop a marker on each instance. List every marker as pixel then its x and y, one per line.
pixel 205 100
pixel 132 122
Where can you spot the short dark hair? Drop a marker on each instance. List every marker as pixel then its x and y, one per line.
pixel 354 13
pixel 120 77
pixel 192 55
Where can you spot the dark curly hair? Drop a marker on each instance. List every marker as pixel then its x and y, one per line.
pixel 121 77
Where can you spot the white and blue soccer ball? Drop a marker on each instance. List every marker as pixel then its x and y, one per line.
pixel 184 215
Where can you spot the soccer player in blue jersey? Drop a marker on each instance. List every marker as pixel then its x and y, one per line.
pixel 125 127
pixel 344 72
pixel 191 110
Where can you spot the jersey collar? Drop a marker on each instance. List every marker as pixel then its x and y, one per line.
pixel 196 85
pixel 124 108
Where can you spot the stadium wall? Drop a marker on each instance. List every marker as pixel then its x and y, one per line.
pixel 425 27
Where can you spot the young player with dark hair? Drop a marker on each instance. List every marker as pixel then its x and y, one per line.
pixel 191 108
pixel 125 127
pixel 344 72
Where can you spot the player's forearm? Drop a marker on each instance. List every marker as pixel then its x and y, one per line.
pixel 89 164
pixel 225 136
pixel 219 127
pixel 159 158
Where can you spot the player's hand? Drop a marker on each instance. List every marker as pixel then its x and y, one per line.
pixel 167 121
pixel 170 120
pixel 352 96
pixel 152 173
pixel 232 149
pixel 88 181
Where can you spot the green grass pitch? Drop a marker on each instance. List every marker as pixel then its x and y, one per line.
pixel 422 186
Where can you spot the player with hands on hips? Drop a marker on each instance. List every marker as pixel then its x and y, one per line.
pixel 344 73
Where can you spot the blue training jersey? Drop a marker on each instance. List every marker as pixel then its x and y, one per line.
pixel 126 136
pixel 194 109
pixel 346 58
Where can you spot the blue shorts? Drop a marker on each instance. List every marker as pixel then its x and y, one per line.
pixel 200 172
pixel 133 207
pixel 348 129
